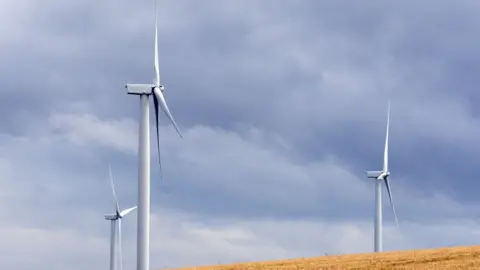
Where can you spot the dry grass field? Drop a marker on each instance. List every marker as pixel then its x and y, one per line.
pixel 443 258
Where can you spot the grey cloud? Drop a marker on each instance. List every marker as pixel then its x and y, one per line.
pixel 50 249
pixel 52 206
pixel 76 201
pixel 252 174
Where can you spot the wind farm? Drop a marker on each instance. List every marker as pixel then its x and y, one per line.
pixel 290 134
pixel 156 90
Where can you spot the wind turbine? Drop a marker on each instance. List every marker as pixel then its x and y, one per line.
pixel 382 176
pixel 156 89
pixel 116 220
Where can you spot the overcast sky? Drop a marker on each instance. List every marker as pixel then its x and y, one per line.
pixel 283 108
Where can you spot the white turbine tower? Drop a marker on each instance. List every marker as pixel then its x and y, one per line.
pixel 116 220
pixel 382 176
pixel 156 90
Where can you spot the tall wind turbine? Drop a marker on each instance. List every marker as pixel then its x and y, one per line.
pixel 156 90
pixel 116 220
pixel 382 176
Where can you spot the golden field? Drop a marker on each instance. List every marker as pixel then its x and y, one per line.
pixel 442 258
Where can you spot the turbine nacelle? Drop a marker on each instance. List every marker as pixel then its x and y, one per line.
pixel 120 214
pixel 143 89
pixel 112 217
pixel 374 174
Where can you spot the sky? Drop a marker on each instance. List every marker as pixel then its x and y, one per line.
pixel 283 108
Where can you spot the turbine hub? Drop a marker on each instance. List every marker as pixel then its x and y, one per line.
pixel 383 175
pixel 159 86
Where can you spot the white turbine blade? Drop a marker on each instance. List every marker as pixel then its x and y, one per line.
pixel 156 66
pixel 120 243
pixel 157 116
pixel 117 208
pixel 163 103
pixel 387 185
pixel 126 211
pixel 385 154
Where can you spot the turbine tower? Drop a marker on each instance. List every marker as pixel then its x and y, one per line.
pixel 116 220
pixel 156 89
pixel 382 176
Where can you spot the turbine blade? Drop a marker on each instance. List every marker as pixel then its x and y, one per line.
pixel 126 211
pixel 156 66
pixel 155 103
pixel 387 185
pixel 120 243
pixel 117 208
pixel 159 95
pixel 385 154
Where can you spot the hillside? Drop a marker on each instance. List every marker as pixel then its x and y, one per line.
pixel 443 258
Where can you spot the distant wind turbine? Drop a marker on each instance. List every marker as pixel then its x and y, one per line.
pixel 116 220
pixel 156 90
pixel 382 176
